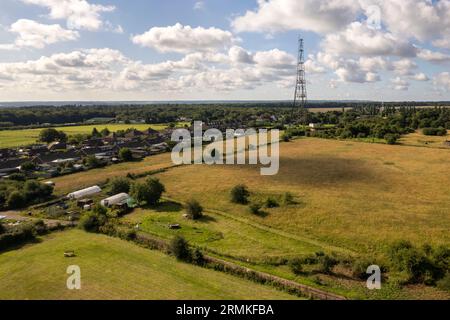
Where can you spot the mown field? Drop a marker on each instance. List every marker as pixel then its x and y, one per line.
pixel 114 269
pixel 17 138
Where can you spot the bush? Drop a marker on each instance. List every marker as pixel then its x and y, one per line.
pixel 17 177
pixel 179 247
pixel 94 220
pixel 2 228
pixel 359 268
pixel 391 138
pixel 288 199
pixel 16 200
pixel 35 191
pixel 296 266
pixel 125 154
pixel 28 166
pixel 255 208
pixel 194 210
pixel 271 203
pixel 326 263
pixel 434 131
pixel 198 258
pixel 444 283
pixel 240 194
pixel 93 162
pixel 119 185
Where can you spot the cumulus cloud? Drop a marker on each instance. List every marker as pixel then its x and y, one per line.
pixel 312 15
pixel 420 19
pixel 179 38
pixel 360 39
pixel 433 56
pixel 109 69
pixel 32 34
pixel 442 81
pixel 400 84
pixel 420 77
pixel 79 14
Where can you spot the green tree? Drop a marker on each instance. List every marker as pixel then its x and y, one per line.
pixel 240 194
pixel 125 154
pixel 15 200
pixel 93 220
pixel 28 166
pixel 391 138
pixel 92 162
pixel 95 133
pixel 194 210
pixel 105 132
pixel 50 135
pixel 119 185
pixel 149 192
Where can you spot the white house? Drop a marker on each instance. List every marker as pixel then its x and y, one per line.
pixel 118 199
pixel 84 193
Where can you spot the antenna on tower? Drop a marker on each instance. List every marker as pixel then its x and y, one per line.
pixel 301 97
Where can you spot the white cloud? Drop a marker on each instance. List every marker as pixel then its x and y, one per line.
pixel 312 15
pixel 199 5
pixel 442 81
pixel 179 38
pixel 400 84
pixel 31 34
pixel 420 77
pixel 79 14
pixel 433 56
pixel 420 19
pixel 360 39
pixel 109 69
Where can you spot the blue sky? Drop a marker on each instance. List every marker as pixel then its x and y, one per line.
pixel 212 49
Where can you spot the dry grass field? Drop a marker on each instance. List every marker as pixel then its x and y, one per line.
pixel 420 140
pixel 351 198
pixel 353 195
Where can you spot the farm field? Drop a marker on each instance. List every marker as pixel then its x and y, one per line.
pixel 420 140
pixel 17 138
pixel 353 195
pixel 351 198
pixel 114 269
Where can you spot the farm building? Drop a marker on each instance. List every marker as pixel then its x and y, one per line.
pixel 117 200
pixel 85 192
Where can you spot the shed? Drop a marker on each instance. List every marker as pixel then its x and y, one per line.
pixel 118 199
pixel 85 192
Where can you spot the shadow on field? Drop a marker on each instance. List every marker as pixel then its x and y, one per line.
pixel 168 206
pixel 324 170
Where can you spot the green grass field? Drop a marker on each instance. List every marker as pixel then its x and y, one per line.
pixel 16 138
pixel 114 269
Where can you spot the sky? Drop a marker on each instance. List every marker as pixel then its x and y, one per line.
pixel 384 50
